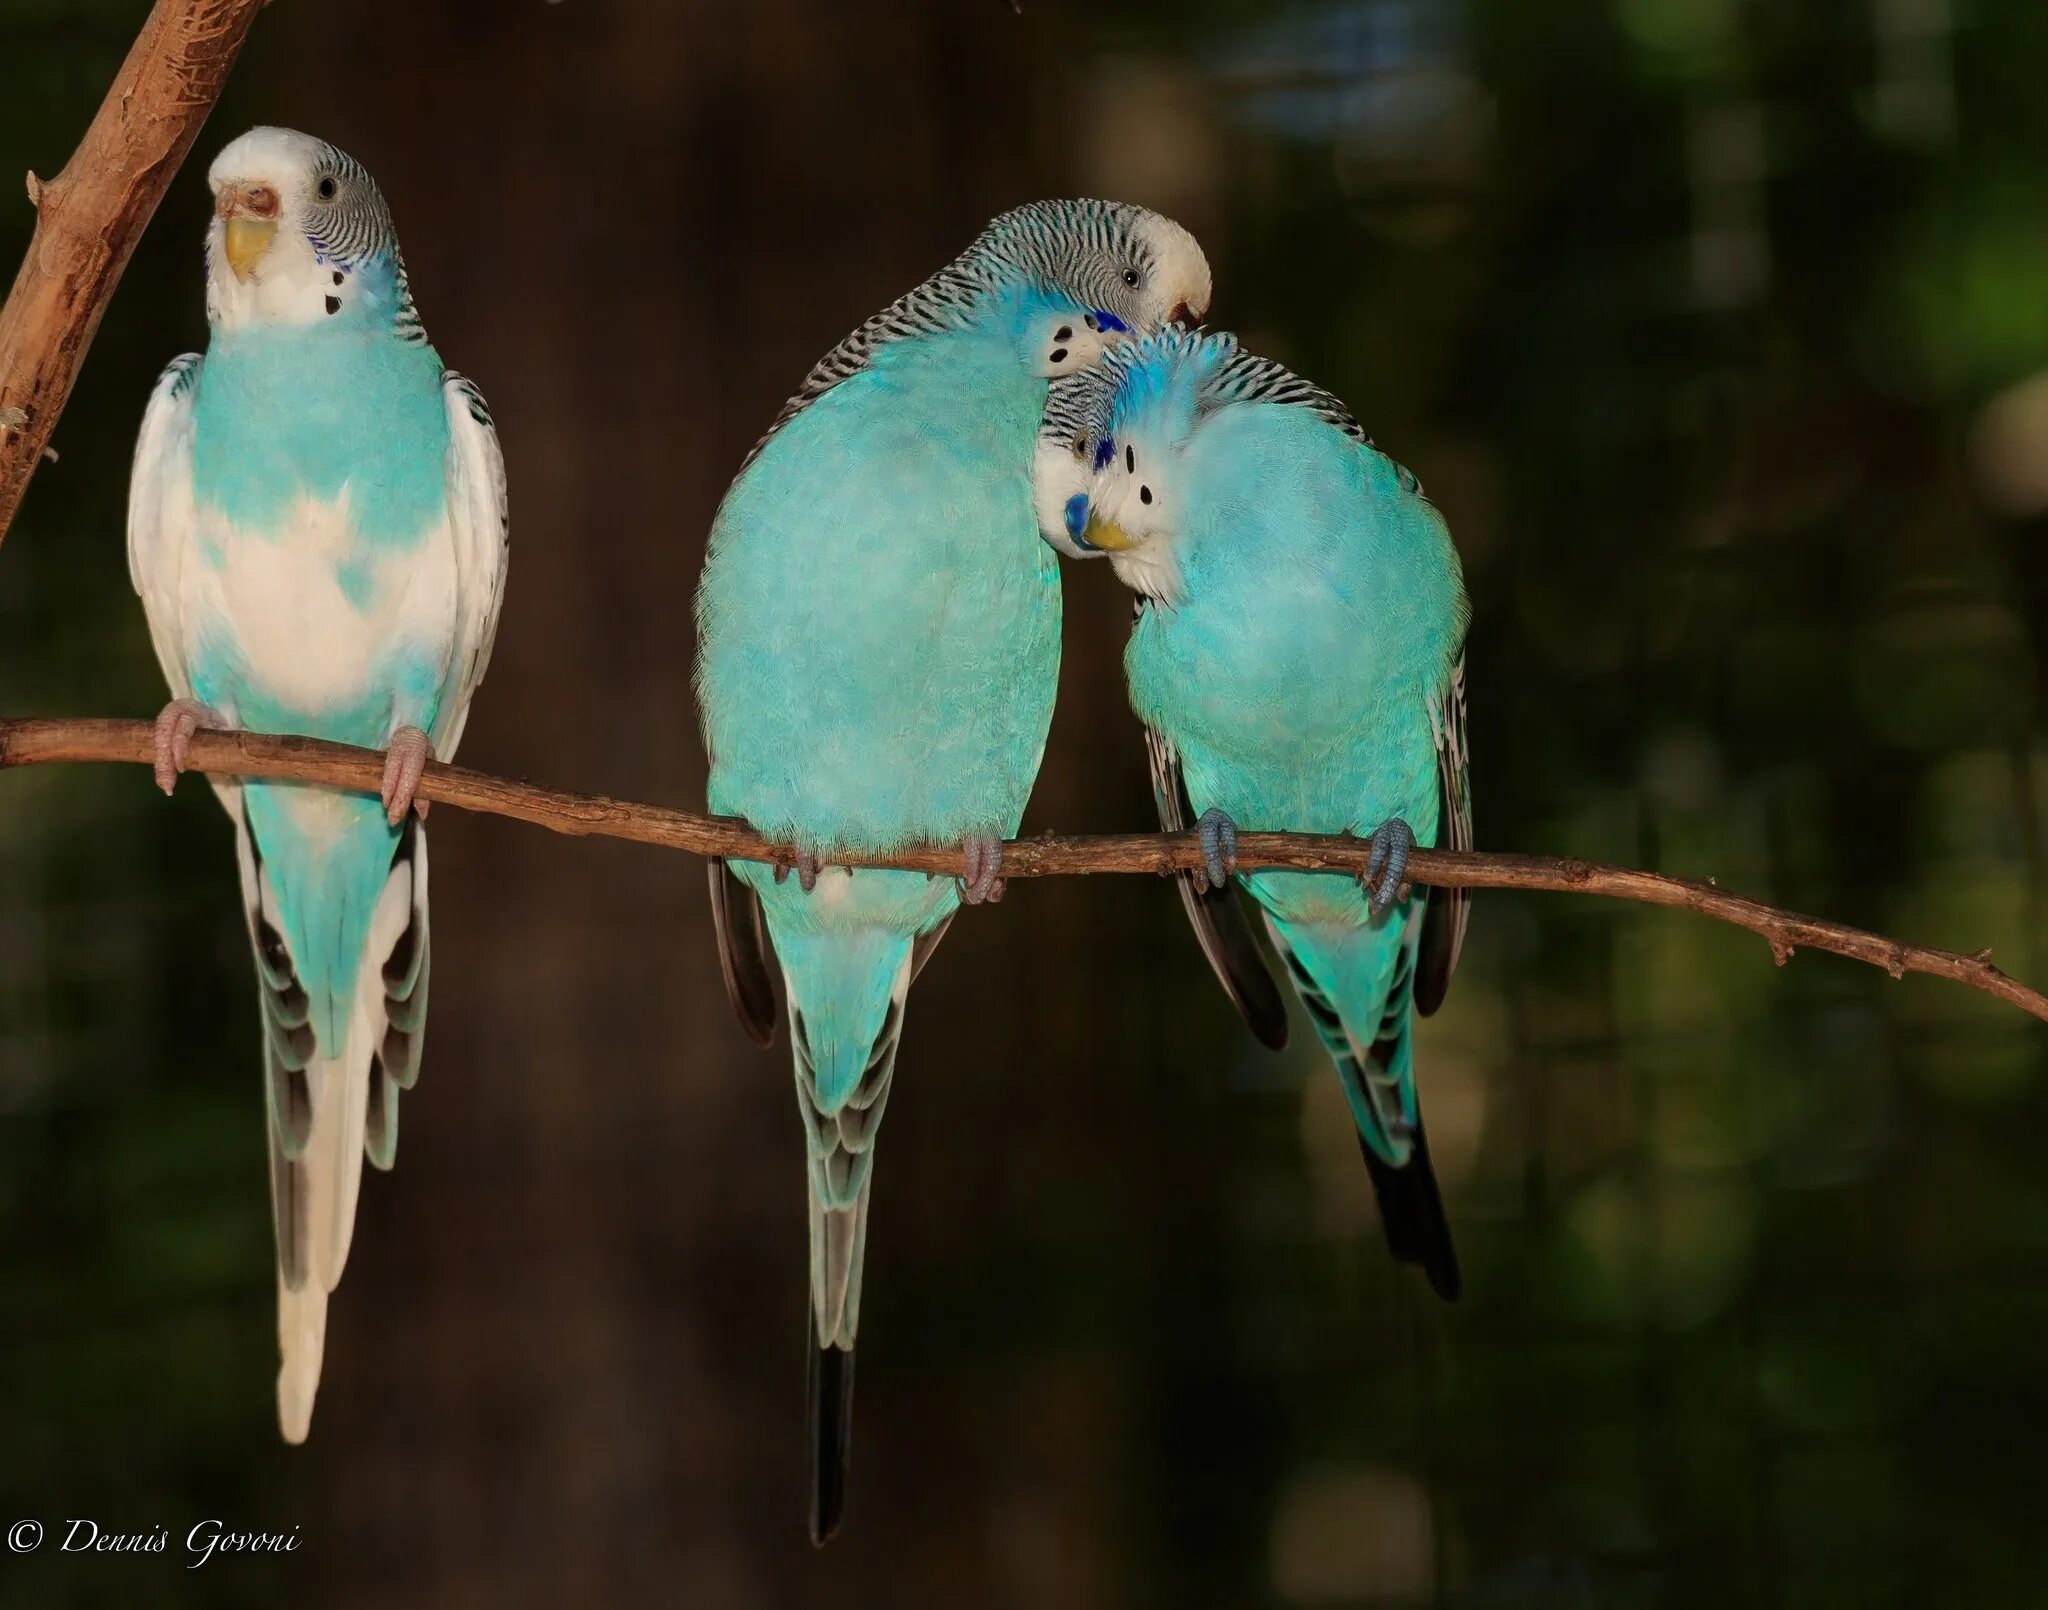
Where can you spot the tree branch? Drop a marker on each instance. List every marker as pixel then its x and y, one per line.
pixel 246 754
pixel 90 216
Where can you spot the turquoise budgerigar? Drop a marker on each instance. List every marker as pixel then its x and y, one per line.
pixel 1298 665
pixel 879 646
pixel 317 528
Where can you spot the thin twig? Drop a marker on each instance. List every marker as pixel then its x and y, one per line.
pixel 245 754
pixel 90 216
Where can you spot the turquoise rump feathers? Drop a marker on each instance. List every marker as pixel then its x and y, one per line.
pixel 1297 663
pixel 317 531
pixel 879 646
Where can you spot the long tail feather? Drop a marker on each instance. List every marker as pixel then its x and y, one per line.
pixel 407 966
pixel 329 1112
pixel 845 1062
pixel 1412 1214
pixel 301 1342
pixel 841 1140
pixel 1379 1086
pixel 829 1390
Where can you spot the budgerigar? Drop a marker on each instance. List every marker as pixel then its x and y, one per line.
pixel 316 525
pixel 879 646
pixel 1298 664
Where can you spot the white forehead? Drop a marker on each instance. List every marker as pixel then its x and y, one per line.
pixel 1176 258
pixel 268 156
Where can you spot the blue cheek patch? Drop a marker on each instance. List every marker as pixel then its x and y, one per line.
pixel 1110 321
pixel 1105 450
pixel 1077 515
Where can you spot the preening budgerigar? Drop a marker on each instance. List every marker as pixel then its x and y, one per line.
pixel 1298 664
pixel 879 643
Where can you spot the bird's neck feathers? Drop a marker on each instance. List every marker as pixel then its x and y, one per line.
pixel 361 345
pixel 288 411
pixel 299 287
pixel 1022 281
pixel 1153 572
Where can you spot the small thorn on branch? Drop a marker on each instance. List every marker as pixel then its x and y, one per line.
pixel 1781 951
pixel 35 190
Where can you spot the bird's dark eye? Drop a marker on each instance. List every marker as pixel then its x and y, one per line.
pixel 1131 278
pixel 327 187
pixel 1130 462
pixel 1144 494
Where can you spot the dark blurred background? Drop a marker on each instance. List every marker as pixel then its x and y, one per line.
pixel 1719 331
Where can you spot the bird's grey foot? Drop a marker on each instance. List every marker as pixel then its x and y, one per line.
pixel 1387 866
pixel 175 724
pixel 807 865
pixel 984 880
pixel 1218 834
pixel 405 761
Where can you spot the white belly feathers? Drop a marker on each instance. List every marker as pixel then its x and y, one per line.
pixel 315 617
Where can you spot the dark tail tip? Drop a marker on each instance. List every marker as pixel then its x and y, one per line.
pixel 1412 1212
pixel 831 1398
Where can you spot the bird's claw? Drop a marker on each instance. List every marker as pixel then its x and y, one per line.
pixel 172 743
pixel 984 880
pixel 405 761
pixel 1218 834
pixel 1386 868
pixel 807 867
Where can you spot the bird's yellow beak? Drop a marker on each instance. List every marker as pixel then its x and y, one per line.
pixel 250 211
pixel 1108 536
pixel 248 240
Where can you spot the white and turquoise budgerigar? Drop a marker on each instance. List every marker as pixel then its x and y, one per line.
pixel 879 647
pixel 1297 662
pixel 317 529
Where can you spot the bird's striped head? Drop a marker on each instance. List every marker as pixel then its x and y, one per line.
pixel 1063 468
pixel 301 236
pixel 1106 476
pixel 1139 267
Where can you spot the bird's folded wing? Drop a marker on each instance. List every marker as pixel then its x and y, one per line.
pixel 483 548
pixel 742 951
pixel 1215 914
pixel 160 512
pixel 1443 927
